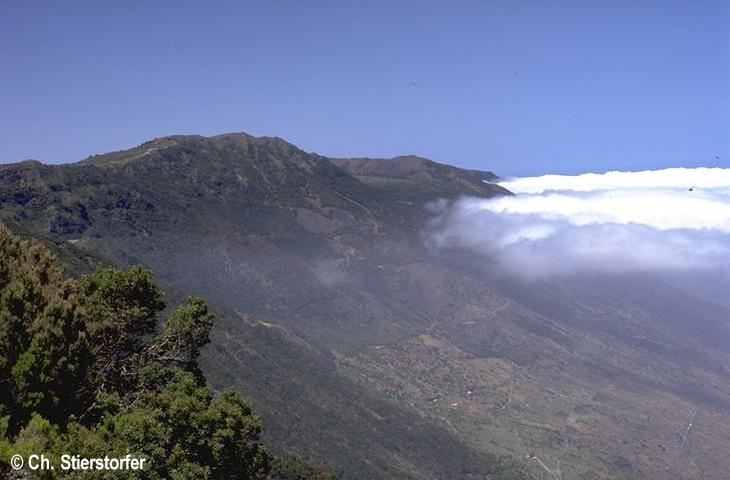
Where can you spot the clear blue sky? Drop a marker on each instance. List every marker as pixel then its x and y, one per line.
pixel 512 86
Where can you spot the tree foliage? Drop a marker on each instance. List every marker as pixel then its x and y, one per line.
pixel 45 348
pixel 85 368
pixel 288 467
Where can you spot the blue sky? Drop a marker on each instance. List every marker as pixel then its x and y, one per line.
pixel 521 88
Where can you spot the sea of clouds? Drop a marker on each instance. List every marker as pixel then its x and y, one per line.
pixel 662 220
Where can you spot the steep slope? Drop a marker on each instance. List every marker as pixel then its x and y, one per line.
pixel 259 226
pixel 353 338
pixel 72 330
pixel 302 397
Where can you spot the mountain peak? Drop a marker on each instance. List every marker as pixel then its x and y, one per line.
pixel 235 141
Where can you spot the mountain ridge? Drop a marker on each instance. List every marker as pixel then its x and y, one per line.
pixel 275 226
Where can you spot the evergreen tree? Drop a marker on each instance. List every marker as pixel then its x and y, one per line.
pixel 84 369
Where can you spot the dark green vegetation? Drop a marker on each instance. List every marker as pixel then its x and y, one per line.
pixel 84 369
pixel 292 468
pixel 364 350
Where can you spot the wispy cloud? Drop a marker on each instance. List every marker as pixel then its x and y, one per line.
pixel 673 219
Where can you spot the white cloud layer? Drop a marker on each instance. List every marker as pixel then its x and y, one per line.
pixel 673 219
